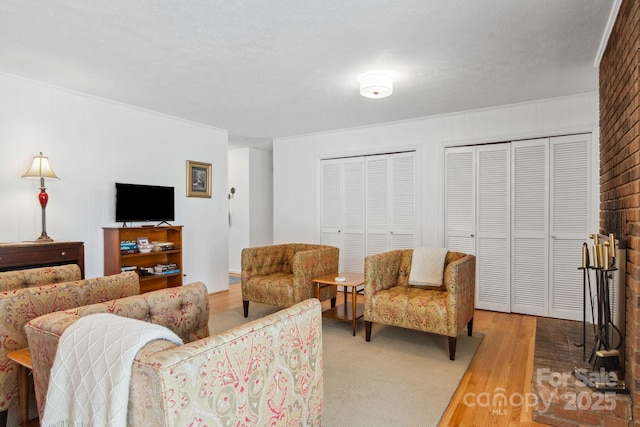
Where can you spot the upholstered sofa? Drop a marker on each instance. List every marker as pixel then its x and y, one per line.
pixel 282 275
pixel 27 294
pixel 266 372
pixel 390 300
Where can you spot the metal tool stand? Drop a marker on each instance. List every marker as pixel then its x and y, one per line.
pixel 599 380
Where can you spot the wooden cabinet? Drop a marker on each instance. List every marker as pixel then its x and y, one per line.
pixel 115 259
pixel 20 256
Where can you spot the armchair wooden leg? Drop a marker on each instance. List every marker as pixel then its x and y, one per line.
pixel 3 418
pixel 470 327
pixel 367 330
pixel 245 306
pixel 333 302
pixel 452 348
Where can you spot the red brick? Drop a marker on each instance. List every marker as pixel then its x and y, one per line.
pixel 620 175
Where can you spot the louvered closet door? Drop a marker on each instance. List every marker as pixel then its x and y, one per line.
pixel 352 250
pixel 569 221
pixel 403 201
pixel 460 205
pixel 342 185
pixel 331 196
pixel 493 282
pixel 390 202
pixel 377 204
pixel 530 207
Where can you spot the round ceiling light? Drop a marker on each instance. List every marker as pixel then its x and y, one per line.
pixel 375 84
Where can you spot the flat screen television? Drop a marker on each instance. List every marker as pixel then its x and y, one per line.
pixel 135 202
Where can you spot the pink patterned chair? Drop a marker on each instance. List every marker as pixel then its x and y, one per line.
pixel 27 294
pixel 266 372
pixel 282 275
pixel 390 300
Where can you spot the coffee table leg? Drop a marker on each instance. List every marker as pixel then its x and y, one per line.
pixel 354 305
pixel 23 391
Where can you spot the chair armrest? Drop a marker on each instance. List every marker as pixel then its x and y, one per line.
pixel 310 264
pixel 460 281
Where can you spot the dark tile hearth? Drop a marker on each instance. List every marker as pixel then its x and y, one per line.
pixel 561 401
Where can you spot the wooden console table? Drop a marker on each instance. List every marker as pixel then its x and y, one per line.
pixel 23 255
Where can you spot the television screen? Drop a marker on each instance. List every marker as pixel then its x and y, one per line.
pixel 136 202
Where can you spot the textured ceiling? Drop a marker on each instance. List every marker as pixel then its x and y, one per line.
pixel 265 69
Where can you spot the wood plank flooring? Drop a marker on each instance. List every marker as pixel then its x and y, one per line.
pixel 502 365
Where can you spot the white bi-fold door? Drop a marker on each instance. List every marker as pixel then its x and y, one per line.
pixel 342 218
pixel 477 217
pixel 524 209
pixel 368 205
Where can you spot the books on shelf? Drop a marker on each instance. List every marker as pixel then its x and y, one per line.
pixel 162 269
pixel 163 246
pixel 126 268
pixel 128 247
pixel 163 273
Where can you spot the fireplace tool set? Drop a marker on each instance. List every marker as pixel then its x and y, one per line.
pixel 605 354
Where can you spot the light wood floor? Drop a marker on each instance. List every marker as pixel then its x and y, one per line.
pixel 502 365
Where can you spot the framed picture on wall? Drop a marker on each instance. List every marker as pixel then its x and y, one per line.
pixel 198 179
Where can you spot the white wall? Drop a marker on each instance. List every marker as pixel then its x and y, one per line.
pixel 251 207
pixel 296 159
pixel 93 143
pixel 239 209
pixel 261 187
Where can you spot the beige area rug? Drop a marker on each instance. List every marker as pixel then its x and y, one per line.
pixel 399 378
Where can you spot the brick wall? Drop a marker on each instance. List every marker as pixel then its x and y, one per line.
pixel 620 168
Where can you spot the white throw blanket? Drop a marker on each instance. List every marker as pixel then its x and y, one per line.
pixel 89 383
pixel 427 266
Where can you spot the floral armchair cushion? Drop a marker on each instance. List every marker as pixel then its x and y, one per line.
pixel 282 275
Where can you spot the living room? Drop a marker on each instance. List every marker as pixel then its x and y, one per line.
pixel 94 141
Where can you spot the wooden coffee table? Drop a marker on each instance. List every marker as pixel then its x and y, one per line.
pixel 344 312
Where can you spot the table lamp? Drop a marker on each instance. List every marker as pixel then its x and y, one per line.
pixel 40 168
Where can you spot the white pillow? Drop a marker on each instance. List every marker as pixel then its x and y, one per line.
pixel 427 266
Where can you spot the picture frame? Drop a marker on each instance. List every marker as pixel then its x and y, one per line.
pixel 198 179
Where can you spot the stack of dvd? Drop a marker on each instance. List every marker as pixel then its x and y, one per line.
pixel 128 247
pixel 163 246
pixel 166 269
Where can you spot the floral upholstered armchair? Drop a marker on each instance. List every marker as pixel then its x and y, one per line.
pixel 390 299
pixel 265 372
pixel 282 275
pixel 27 294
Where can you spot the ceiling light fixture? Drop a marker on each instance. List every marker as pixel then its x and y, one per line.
pixel 376 84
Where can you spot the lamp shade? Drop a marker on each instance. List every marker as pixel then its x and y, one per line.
pixel 40 168
pixel 375 84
